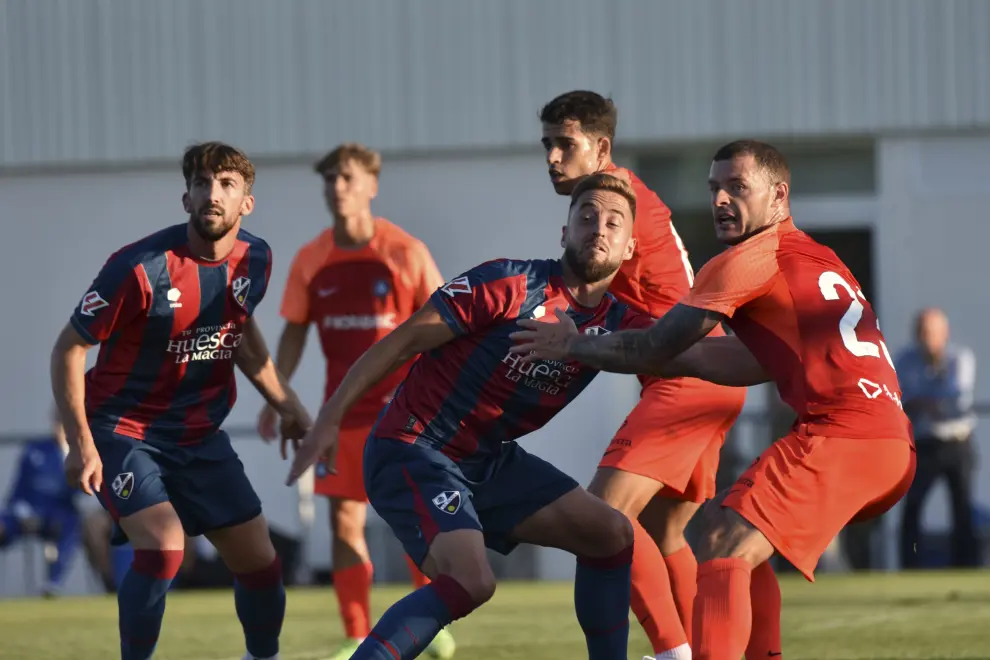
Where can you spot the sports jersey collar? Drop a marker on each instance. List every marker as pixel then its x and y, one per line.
pixel 372 244
pixel 183 250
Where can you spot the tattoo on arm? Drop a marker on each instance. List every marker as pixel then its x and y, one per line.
pixel 645 351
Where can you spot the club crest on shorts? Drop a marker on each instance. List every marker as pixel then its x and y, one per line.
pixel 123 485
pixel 449 501
pixel 241 286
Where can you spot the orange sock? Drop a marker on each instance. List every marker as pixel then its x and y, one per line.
pixel 682 568
pixel 722 615
pixel 353 587
pixel 418 579
pixel 651 600
pixel 764 591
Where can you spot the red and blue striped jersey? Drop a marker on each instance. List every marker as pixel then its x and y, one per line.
pixel 168 325
pixel 470 395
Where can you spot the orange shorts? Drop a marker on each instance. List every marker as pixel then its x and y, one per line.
pixel 348 482
pixel 674 435
pixel 804 489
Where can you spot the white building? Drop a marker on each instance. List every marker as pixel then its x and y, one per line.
pixel 883 107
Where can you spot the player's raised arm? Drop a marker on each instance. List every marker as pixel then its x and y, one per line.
pixel 423 331
pixel 628 351
pixel 68 374
pixel 720 360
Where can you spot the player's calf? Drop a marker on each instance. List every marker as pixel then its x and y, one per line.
pixel 602 539
pixel 666 518
pixel 462 581
pixel 158 541
pixel 730 548
pixel 259 595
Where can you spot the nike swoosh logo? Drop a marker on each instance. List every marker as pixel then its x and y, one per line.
pixel 774 655
pixel 326 293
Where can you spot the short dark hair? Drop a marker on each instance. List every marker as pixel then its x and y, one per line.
pixel 767 157
pixel 367 158
pixel 216 157
pixel 608 183
pixel 596 114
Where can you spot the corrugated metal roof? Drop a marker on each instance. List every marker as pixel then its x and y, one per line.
pixel 118 81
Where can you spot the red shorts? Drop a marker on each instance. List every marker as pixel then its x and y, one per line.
pixel 674 436
pixel 348 481
pixel 804 489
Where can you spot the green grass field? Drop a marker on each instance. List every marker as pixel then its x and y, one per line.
pixel 934 615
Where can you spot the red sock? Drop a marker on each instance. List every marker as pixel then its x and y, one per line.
pixel 722 615
pixel 682 568
pixel 651 600
pixel 353 587
pixel 764 591
pixel 418 578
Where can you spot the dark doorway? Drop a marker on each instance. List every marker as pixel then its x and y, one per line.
pixel 855 248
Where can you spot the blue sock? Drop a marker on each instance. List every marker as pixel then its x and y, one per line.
pixel 601 600
pixel 259 598
pixel 409 626
pixel 141 601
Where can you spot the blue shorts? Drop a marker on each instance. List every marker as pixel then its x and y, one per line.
pixel 205 483
pixel 420 492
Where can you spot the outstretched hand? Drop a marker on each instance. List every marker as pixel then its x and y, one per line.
pixel 319 444
pixel 544 340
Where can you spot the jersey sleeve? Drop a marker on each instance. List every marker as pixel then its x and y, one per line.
pixel 260 272
pixel 735 277
pixel 118 295
pixel 295 298
pixel 480 298
pixel 428 275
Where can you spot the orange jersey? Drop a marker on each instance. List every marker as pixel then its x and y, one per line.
pixel 802 314
pixel 659 273
pixel 357 296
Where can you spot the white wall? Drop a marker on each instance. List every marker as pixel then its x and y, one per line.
pixel 932 239
pixel 59 229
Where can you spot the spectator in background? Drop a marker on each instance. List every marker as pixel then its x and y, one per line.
pixel 937 383
pixel 42 504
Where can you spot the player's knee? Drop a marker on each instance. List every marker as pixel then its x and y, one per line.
pixel 463 593
pixel 627 492
pixel 159 564
pixel 480 586
pixel 347 518
pixel 155 528
pixel 612 533
pixel 466 563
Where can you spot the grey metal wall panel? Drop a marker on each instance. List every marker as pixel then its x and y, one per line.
pixel 117 81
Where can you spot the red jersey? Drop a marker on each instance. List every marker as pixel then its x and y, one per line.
pixel 659 273
pixel 802 314
pixel 357 296
pixel 169 325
